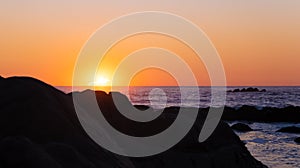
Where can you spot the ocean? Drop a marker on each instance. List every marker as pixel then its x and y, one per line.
pixel 275 149
pixel 274 97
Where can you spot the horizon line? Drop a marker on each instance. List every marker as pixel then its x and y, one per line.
pixel 183 86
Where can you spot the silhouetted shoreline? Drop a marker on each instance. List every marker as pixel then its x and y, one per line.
pixel 39 128
pixel 253 114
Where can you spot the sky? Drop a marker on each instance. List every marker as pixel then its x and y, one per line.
pixel 258 40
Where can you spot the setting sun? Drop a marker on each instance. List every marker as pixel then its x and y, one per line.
pixel 101 81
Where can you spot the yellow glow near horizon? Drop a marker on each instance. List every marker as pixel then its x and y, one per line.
pixel 101 81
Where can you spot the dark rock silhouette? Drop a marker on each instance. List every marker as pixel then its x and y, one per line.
pixel 21 152
pixel 39 128
pixel 291 129
pixel 249 89
pixel 265 114
pixel 297 140
pixel 236 90
pixel 241 127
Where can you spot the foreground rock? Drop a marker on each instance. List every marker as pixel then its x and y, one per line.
pixel 266 114
pixel 241 127
pixel 39 128
pixel 297 140
pixel 291 129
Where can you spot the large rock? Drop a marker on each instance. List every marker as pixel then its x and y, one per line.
pixel 297 140
pixel 21 152
pixel 241 127
pixel 291 129
pixel 39 128
pixel 266 114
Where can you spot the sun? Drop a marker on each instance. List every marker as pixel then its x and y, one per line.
pixel 101 81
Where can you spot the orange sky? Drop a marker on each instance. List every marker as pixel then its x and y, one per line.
pixel 258 41
pixel 152 76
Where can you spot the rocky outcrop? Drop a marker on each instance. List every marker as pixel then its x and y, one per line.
pixel 297 140
pixel 291 129
pixel 39 128
pixel 241 127
pixel 249 89
pixel 265 114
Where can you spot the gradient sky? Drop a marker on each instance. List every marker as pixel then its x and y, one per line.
pixel 258 40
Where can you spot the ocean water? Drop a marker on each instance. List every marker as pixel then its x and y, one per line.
pixel 274 97
pixel 160 97
pixel 276 150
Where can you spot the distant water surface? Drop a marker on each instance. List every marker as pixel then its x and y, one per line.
pixel 274 97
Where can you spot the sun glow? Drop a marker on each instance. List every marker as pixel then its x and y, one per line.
pixel 101 81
